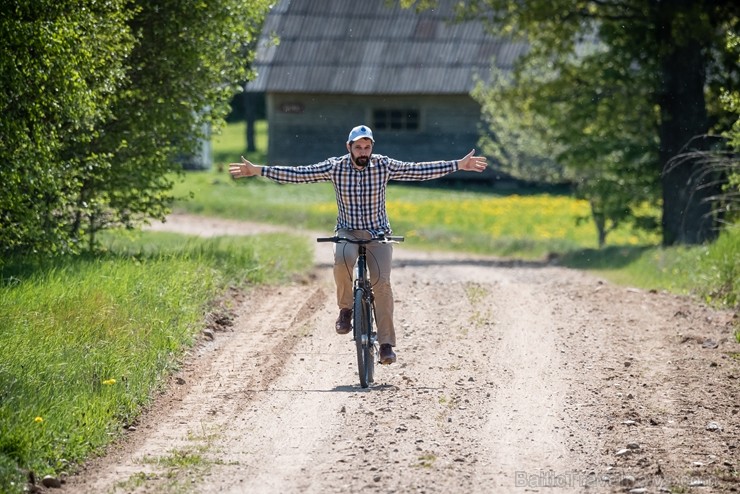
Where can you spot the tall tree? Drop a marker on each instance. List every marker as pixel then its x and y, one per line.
pixel 683 33
pixel 99 99
pixel 571 120
pixel 186 66
pixel 61 63
pixel 677 48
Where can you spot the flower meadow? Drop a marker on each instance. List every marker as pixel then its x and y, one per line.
pixel 497 224
pixel 543 217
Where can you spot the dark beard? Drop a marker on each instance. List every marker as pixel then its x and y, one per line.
pixel 362 161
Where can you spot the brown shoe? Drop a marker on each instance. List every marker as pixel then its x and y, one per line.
pixel 386 354
pixel 344 321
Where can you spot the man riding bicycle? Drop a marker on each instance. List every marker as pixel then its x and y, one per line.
pixel 360 179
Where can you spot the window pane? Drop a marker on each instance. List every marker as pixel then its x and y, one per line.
pixel 380 119
pixel 396 119
pixel 412 120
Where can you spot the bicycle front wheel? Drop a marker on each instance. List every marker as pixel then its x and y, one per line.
pixel 361 330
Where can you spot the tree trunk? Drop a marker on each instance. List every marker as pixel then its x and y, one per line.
pixel 683 120
pixel 600 222
pixel 250 115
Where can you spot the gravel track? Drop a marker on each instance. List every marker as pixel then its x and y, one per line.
pixel 511 377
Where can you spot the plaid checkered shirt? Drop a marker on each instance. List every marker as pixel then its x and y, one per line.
pixel 360 193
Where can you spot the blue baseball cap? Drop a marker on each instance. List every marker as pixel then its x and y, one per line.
pixel 360 132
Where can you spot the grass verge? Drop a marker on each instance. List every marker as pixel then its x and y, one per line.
pixel 533 226
pixel 710 272
pixel 527 226
pixel 86 341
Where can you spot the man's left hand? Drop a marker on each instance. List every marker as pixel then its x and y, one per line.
pixel 472 163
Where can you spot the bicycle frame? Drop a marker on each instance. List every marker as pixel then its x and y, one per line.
pixel 363 309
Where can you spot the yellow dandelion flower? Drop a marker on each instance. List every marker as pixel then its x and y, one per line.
pixel 109 382
pixel 38 419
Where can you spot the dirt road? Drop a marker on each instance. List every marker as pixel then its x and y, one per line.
pixel 511 377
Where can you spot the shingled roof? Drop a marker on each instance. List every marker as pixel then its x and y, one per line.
pixel 371 47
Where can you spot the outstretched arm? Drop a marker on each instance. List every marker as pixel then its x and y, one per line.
pixel 244 169
pixel 472 163
pixel 410 171
pixel 305 174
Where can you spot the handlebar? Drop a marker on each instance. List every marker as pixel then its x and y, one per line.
pixel 362 241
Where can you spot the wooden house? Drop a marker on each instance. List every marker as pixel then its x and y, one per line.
pixel 328 65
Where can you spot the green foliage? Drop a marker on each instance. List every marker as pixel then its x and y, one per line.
pixel 184 71
pixel 87 340
pixel 99 99
pixel 572 121
pixel 60 67
pixel 612 91
pixel 731 102
pixel 730 99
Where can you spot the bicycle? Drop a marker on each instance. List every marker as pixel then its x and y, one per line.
pixel 363 310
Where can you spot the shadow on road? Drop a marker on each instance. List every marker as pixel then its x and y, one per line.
pixel 342 388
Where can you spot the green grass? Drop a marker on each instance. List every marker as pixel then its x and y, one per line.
pixel 502 225
pixel 216 194
pixel 709 272
pixel 231 143
pixel 528 226
pixel 86 341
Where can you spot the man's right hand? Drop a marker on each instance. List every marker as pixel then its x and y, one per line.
pixel 244 169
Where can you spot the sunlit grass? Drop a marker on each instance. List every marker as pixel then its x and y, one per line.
pixel 527 226
pixel 85 341
pixel 552 220
pixel 710 272
pixel 231 143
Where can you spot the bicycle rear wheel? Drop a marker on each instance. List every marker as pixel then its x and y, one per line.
pixel 361 330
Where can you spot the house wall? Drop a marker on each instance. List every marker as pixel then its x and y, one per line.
pixel 308 128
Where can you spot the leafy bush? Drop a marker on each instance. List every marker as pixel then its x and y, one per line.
pixel 99 100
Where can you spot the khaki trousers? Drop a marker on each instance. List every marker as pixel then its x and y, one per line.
pixel 379 266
